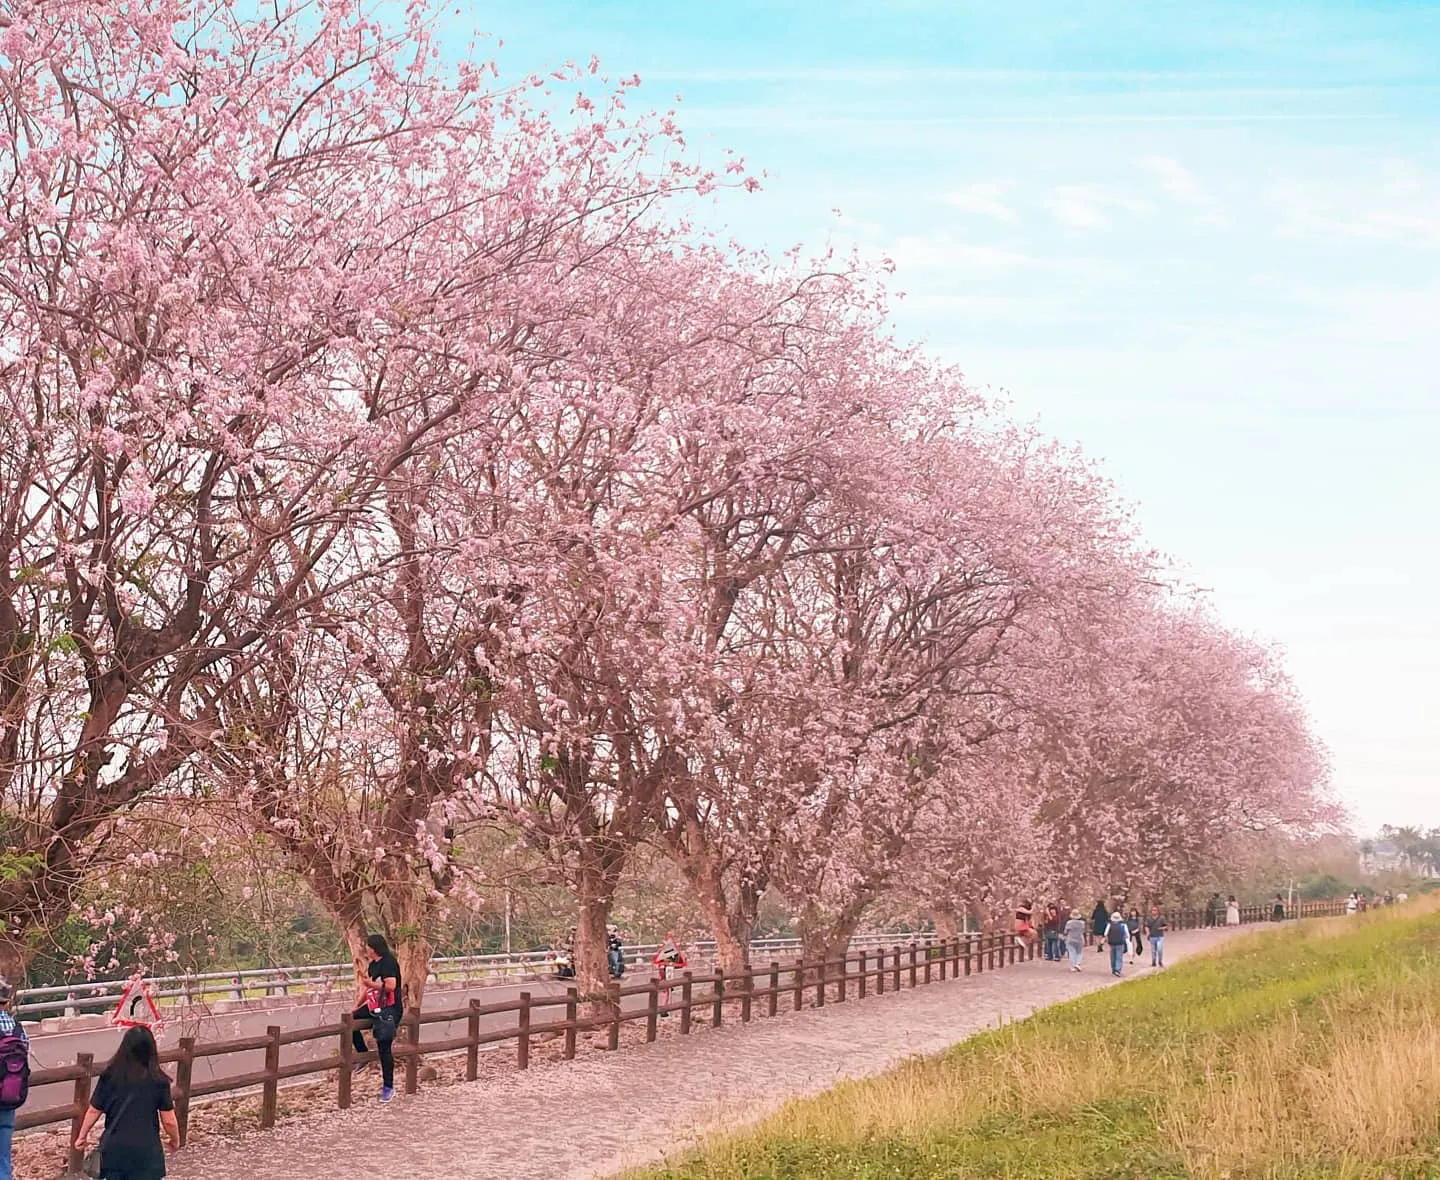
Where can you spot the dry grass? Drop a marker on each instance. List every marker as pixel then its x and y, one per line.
pixel 1294 1055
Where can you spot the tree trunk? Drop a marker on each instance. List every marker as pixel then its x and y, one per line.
pixel 14 960
pixel 413 955
pixel 730 917
pixel 827 935
pixel 595 887
pixel 947 923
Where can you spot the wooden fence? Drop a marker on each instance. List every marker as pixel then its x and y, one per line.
pixel 692 996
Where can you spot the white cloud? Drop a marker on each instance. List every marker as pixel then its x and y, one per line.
pixel 1175 180
pixel 983 199
pixel 941 251
pixel 1077 207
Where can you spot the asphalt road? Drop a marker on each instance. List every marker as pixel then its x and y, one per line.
pixel 48 1050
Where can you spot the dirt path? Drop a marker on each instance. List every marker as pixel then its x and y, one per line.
pixel 593 1116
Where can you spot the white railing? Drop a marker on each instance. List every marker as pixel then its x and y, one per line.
pixel 185 990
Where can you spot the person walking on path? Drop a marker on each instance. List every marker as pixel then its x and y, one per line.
pixel 381 1004
pixel 13 1041
pixel 134 1096
pixel 1135 923
pixel 1155 927
pixel 1232 912
pixel 1052 932
pixel 1099 919
pixel 1277 910
pixel 1117 938
pixel 1075 939
pixel 669 957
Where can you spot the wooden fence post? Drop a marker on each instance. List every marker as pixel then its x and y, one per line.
pixel 652 1011
pixel 844 971
pixel 572 1020
pixel 861 980
pixel 270 1093
pixel 914 963
pixel 612 991
pixel 412 1057
pixel 717 1010
pixel 686 999
pixel 927 962
pixel 746 991
pixel 895 981
pixel 944 958
pixel 820 983
pixel 880 971
pixel 472 1048
pixel 347 1060
pixel 84 1062
pixel 774 1006
pixel 184 1071
pixel 799 984
pixel 967 955
pixel 522 1037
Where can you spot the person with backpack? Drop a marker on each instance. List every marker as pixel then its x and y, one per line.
pixel 381 1004
pixel 14 1073
pixel 134 1096
pixel 1117 938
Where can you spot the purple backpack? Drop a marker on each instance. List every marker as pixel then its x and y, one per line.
pixel 14 1070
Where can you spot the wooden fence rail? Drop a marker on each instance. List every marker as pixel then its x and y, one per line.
pixel 857 974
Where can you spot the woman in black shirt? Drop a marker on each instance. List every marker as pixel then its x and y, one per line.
pixel 379 994
pixel 134 1096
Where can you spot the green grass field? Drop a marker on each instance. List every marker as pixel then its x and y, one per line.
pixel 1306 1052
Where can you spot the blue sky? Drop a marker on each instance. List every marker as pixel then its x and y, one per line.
pixel 1200 240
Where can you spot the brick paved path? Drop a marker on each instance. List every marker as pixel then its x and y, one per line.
pixel 595 1115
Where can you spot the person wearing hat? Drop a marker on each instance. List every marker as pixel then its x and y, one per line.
pixel 1117 938
pixel 9 1027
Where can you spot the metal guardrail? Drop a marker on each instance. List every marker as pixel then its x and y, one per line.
pixel 184 990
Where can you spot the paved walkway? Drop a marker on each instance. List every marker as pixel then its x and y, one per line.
pixel 597 1114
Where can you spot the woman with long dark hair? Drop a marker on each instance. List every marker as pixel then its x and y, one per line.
pixel 380 1003
pixel 134 1096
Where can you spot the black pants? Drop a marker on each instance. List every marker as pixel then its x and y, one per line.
pixel 385 1049
pixel 132 1163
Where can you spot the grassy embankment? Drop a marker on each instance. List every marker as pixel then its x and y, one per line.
pixel 1307 1052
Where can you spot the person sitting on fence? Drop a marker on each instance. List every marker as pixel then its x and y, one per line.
pixel 15 1082
pixel 134 1096
pixel 1024 923
pixel 381 1004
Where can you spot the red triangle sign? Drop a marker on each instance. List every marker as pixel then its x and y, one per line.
pixel 137 1006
